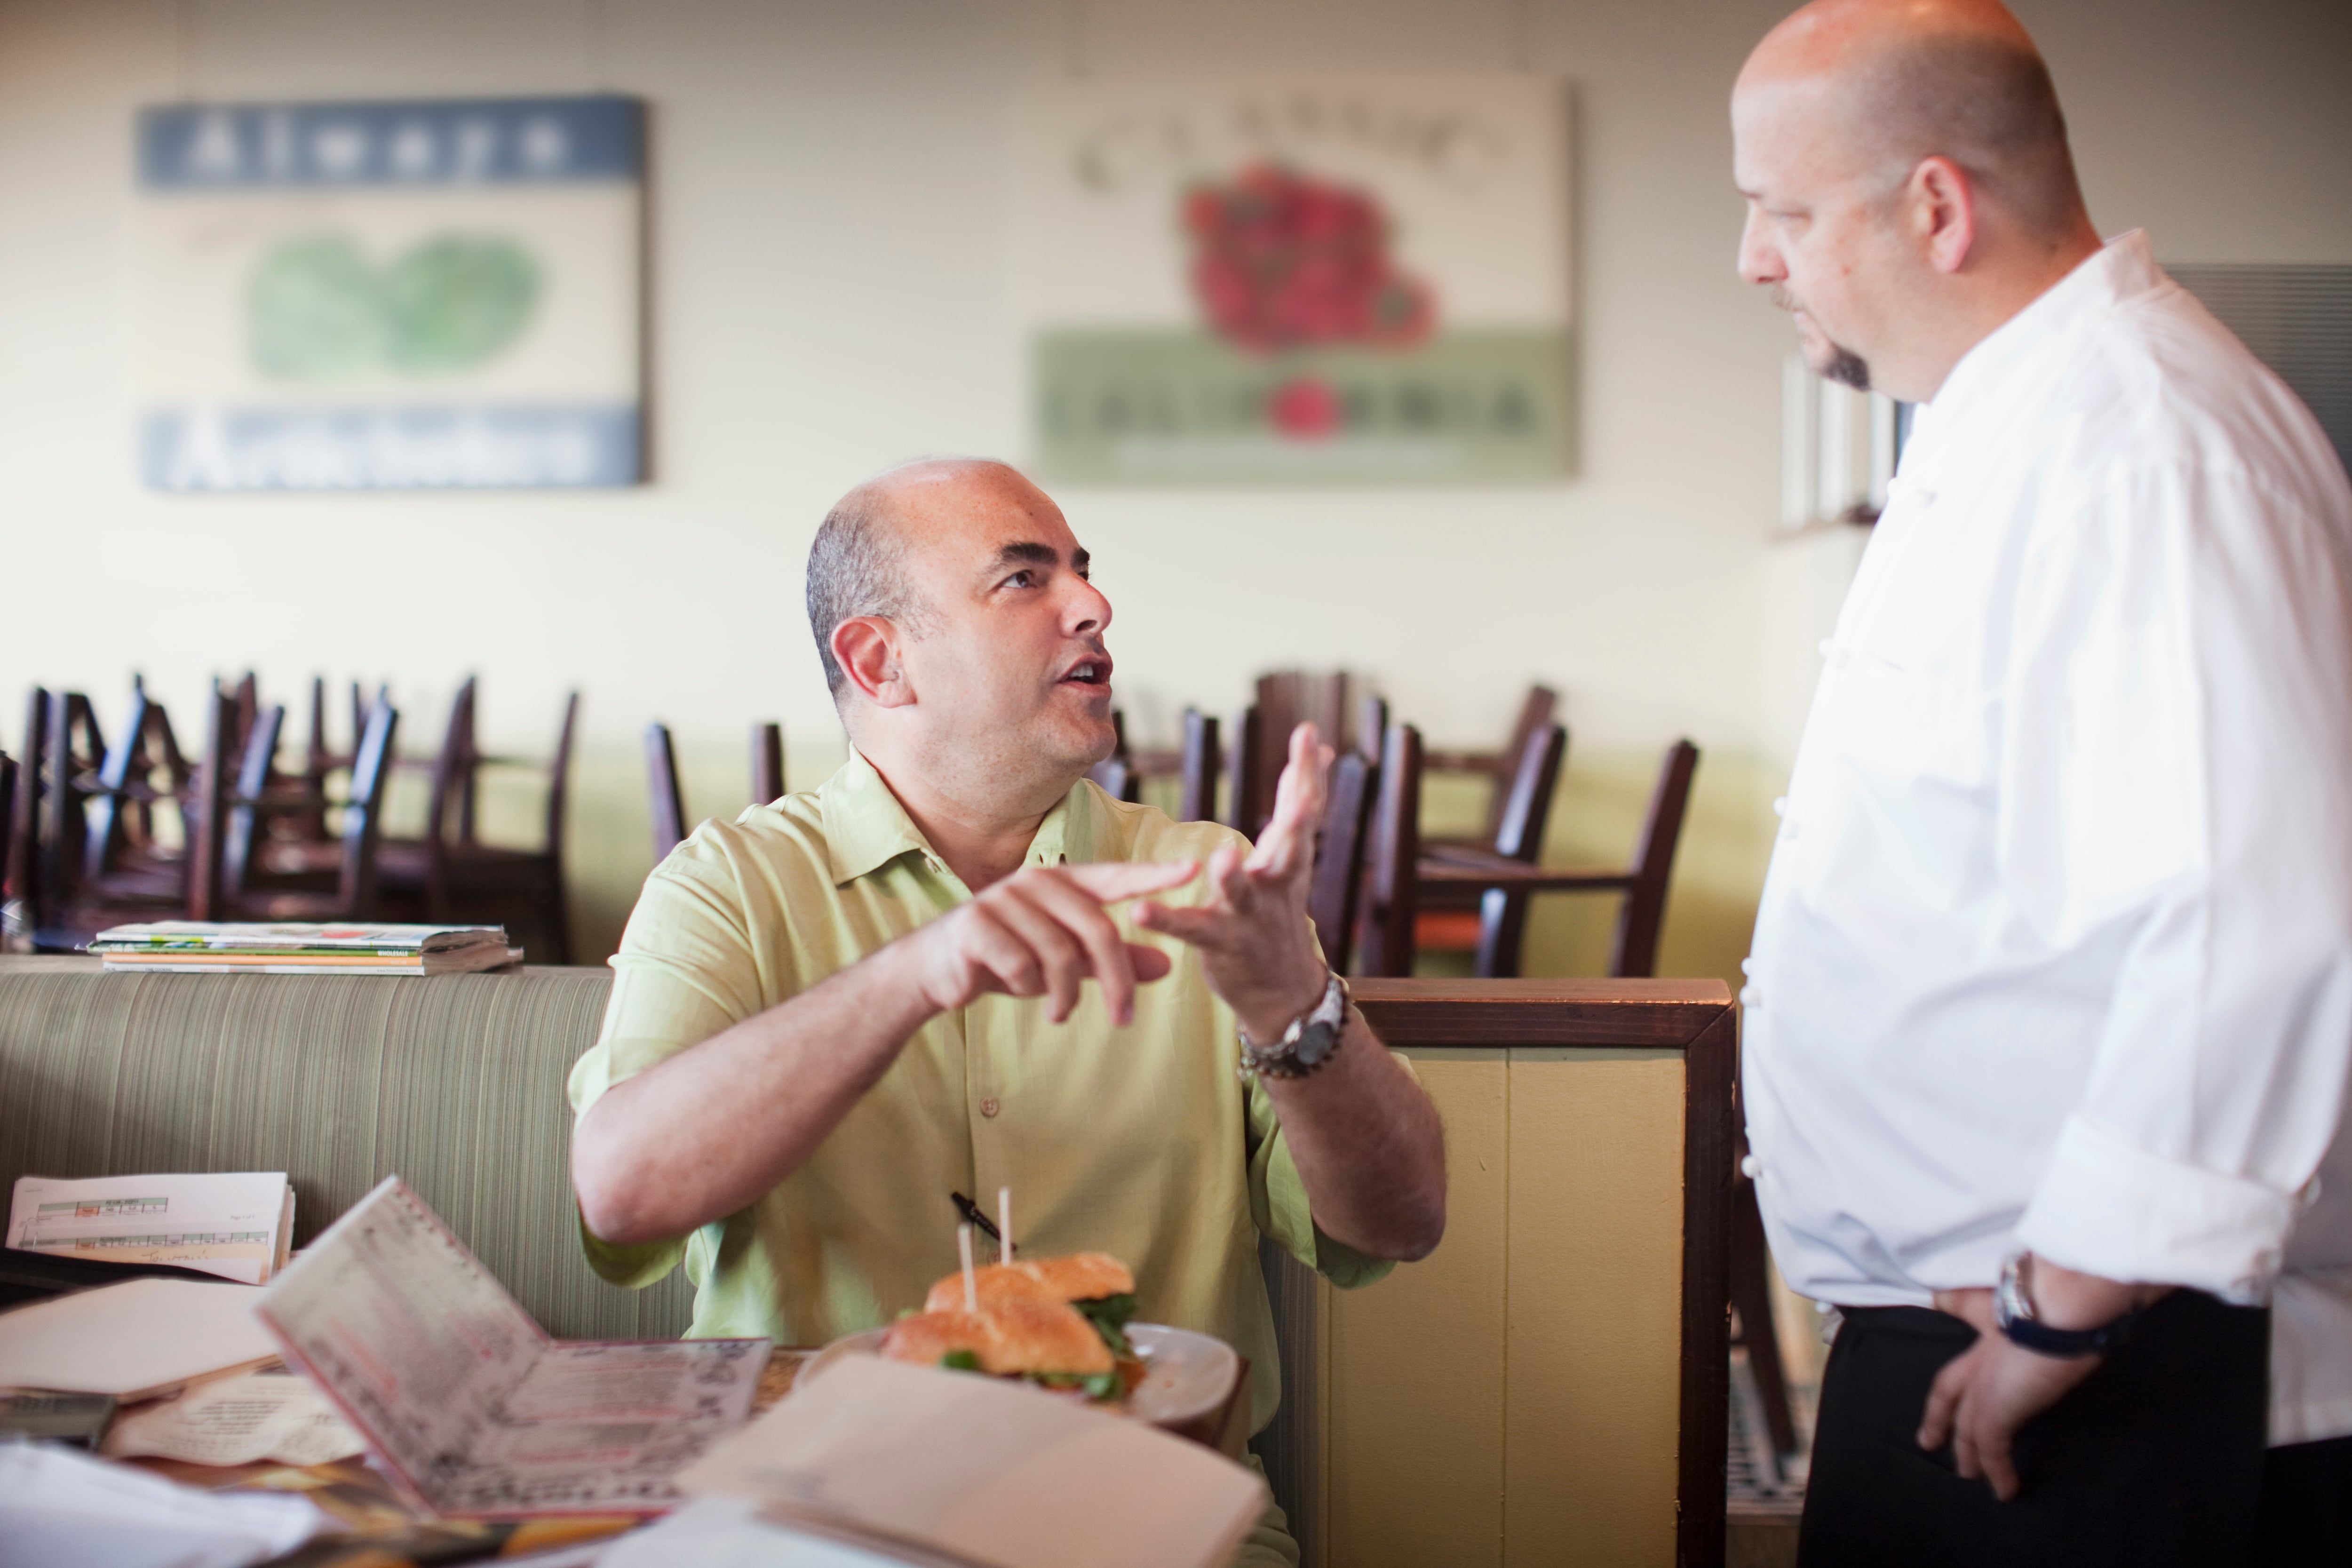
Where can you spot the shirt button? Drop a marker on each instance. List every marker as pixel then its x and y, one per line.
pixel 1750 997
pixel 1780 807
pixel 1748 1167
pixel 989 1108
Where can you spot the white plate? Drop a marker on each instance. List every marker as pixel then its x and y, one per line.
pixel 1187 1376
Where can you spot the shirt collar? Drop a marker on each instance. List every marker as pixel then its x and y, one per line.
pixel 2119 270
pixel 866 828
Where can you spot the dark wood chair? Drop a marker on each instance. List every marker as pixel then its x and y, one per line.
pixel 1500 769
pixel 767 764
pixel 1751 1300
pixel 1341 846
pixel 224 880
pixel 121 855
pixel 7 825
pixel 670 821
pixel 1119 774
pixel 1454 914
pixel 1284 700
pixel 1634 953
pixel 668 796
pixel 1197 766
pixel 450 877
pixel 1390 902
pixel 267 844
pixel 83 855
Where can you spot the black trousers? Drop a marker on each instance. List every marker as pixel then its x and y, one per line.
pixel 2306 1505
pixel 2155 1461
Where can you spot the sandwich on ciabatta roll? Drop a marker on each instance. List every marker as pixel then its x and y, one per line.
pixel 1056 1321
pixel 1098 1286
pixel 997 1283
pixel 1043 1342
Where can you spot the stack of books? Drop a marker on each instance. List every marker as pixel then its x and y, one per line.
pixel 202 947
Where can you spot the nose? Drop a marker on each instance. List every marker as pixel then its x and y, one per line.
pixel 1086 610
pixel 1758 261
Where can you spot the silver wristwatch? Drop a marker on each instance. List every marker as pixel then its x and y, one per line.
pixel 1311 1041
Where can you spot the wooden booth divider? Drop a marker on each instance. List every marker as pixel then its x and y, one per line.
pixel 1549 1386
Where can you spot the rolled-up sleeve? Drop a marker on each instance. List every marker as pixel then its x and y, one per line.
pixel 685 972
pixel 2179 738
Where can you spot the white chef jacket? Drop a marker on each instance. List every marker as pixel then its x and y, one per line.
pixel 2055 950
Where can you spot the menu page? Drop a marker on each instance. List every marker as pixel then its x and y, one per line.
pixel 605 1428
pixel 236 1225
pixel 406 1331
pixel 468 1400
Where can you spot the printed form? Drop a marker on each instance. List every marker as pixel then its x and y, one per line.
pixel 468 1402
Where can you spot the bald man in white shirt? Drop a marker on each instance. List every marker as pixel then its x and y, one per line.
pixel 2049 1009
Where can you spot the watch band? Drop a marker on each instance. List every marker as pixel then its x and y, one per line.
pixel 2013 1313
pixel 1311 1039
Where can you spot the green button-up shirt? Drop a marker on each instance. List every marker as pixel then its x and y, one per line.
pixel 1141 1142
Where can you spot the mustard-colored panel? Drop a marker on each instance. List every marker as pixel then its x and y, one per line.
pixel 1594 1281
pixel 1413 1375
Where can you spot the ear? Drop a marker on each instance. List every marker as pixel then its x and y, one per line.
pixel 867 647
pixel 1943 213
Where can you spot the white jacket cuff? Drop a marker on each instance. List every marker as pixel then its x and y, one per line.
pixel 2105 1207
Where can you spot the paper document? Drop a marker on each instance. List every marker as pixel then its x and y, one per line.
pixel 135 1341
pixel 469 1403
pixel 278 1415
pixel 60 1507
pixel 236 1225
pixel 975 1468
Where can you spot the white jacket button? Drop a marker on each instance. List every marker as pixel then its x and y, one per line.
pixel 1748 1166
pixel 1750 997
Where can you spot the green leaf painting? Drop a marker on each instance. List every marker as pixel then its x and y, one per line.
pixel 317 310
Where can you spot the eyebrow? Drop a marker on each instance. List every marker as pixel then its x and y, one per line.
pixel 1036 554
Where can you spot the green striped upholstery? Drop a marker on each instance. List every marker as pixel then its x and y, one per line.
pixel 454 1082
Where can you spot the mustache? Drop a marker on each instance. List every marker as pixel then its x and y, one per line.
pixel 1783 298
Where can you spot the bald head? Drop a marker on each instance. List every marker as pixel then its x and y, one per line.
pixel 1894 82
pixel 858 564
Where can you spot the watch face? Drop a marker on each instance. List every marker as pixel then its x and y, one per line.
pixel 1315 1043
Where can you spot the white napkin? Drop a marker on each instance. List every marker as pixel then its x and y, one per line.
pixel 721 1532
pixel 60 1506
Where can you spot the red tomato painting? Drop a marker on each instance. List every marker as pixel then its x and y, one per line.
pixel 1283 260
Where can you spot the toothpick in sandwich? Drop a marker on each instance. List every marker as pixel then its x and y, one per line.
pixel 971 1282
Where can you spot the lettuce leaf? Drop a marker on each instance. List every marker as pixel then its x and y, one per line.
pixel 1109 1315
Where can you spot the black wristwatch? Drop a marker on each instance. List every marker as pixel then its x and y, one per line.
pixel 2013 1313
pixel 1305 1044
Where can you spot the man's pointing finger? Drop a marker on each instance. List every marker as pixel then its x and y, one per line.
pixel 1113 881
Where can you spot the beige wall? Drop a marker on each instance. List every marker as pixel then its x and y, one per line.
pixel 828 253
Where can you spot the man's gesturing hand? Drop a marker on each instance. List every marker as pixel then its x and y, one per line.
pixel 1042 931
pixel 1252 930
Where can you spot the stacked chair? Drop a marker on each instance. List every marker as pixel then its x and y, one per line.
pixel 450 876
pixel 671 823
pixel 254 842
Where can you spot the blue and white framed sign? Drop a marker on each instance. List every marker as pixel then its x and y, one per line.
pixel 432 294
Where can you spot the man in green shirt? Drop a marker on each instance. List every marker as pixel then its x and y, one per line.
pixel 847 1005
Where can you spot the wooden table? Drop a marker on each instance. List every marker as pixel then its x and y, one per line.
pixel 384 1530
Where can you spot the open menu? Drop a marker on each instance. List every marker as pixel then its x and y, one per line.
pixel 470 1405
